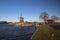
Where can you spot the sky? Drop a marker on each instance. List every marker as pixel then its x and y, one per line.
pixel 10 10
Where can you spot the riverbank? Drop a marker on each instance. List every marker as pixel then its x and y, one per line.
pixel 45 32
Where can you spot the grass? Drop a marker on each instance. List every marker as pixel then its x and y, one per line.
pixel 45 32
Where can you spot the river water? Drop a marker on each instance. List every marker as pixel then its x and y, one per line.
pixel 57 27
pixel 12 32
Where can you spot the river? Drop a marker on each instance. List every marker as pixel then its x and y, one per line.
pixel 12 32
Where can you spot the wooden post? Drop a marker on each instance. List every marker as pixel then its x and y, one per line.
pixel 52 38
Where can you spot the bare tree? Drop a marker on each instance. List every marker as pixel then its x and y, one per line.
pixel 54 18
pixel 44 16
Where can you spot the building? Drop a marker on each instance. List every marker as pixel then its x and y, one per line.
pixel 21 20
pixel 49 21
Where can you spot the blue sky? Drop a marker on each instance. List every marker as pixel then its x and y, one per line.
pixel 10 10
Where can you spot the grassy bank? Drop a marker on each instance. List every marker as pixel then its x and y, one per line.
pixel 45 32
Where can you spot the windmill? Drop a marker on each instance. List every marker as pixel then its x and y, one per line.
pixel 21 18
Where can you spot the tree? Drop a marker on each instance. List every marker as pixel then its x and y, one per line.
pixel 44 16
pixel 54 18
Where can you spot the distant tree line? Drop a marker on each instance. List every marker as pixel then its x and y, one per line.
pixel 3 22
